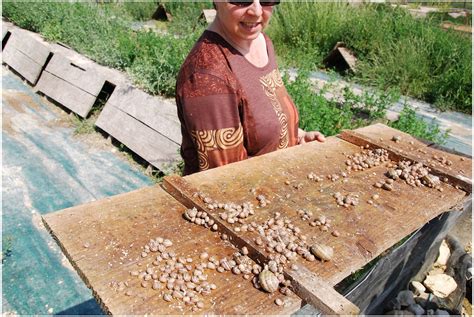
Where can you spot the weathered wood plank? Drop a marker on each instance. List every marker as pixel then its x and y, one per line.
pixel 459 170
pixel 153 111
pixel 29 46
pixel 68 95
pixel 7 27
pixel 151 145
pixel 104 241
pixel 306 284
pixel 21 63
pixel 85 79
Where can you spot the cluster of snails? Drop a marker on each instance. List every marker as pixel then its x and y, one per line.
pixel 262 201
pixel 313 177
pixel 443 160
pixel 346 201
pixel 200 218
pixel 283 240
pixel 324 224
pixel 175 277
pixel 414 174
pixel 231 212
pixel 366 159
pixel 386 184
pixel 305 214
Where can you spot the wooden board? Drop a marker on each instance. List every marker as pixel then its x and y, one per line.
pixel 152 111
pixel 25 55
pixel 366 230
pixel 79 75
pixel 68 95
pixel 459 169
pixel 103 241
pixel 155 148
pixel 306 284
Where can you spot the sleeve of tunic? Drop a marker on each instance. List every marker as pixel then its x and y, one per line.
pixel 210 111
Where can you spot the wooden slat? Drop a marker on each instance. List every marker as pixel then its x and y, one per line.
pixel 379 135
pixel 29 46
pixel 152 146
pixel 86 79
pixel 305 283
pixel 21 63
pixel 25 54
pixel 152 111
pixel 115 230
pixel 365 230
pixel 68 95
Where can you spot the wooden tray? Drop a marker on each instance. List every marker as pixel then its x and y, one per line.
pixel 104 239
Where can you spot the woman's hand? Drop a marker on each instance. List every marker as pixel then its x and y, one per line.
pixel 310 136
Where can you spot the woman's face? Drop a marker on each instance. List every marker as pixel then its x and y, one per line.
pixel 243 23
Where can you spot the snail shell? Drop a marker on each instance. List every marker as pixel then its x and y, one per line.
pixel 268 281
pixel 322 251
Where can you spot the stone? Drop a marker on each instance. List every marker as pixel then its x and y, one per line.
pixel 400 313
pixel 441 312
pixel 416 309
pixel 417 287
pixel 444 254
pixel 406 298
pixel 441 285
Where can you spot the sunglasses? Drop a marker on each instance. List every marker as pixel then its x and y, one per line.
pixel 242 3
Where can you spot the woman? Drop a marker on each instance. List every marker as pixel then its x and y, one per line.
pixel 231 100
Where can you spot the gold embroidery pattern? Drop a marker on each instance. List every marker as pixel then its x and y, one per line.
pixel 221 139
pixel 270 83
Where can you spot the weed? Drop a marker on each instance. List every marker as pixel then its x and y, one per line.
pixel 408 122
pixel 83 126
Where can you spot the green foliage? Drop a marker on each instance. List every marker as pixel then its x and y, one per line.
pixel 83 126
pixel 331 116
pixel 408 122
pixel 394 49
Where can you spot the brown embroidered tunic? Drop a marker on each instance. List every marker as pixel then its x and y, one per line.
pixel 230 109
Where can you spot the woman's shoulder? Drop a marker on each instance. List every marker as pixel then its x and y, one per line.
pixel 207 55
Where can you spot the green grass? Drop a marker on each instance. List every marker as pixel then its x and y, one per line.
pixel 332 116
pixel 394 49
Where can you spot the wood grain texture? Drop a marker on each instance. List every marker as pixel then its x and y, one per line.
pixel 152 146
pixel 152 111
pixel 306 284
pixel 365 230
pixel 29 46
pixel 86 79
pixel 22 64
pixel 104 240
pixel 65 93
pixel 459 171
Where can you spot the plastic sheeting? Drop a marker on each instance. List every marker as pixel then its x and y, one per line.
pixel 46 169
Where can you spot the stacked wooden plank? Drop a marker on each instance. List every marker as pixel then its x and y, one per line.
pixel 147 125
pixel 365 229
